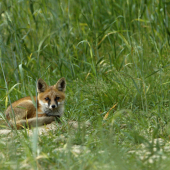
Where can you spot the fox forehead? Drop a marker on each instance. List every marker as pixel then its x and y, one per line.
pixel 51 92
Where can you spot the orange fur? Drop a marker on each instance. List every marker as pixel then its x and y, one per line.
pixel 49 104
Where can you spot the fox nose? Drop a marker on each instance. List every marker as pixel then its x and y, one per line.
pixel 53 106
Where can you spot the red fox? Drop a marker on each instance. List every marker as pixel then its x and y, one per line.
pixel 49 102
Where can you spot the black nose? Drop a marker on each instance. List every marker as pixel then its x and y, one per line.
pixel 53 106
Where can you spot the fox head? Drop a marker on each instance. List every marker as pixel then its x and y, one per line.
pixel 51 98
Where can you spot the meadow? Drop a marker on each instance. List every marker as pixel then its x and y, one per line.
pixel 114 55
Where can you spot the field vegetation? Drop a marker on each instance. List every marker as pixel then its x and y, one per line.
pixel 114 55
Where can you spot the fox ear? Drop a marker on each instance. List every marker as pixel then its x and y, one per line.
pixel 41 85
pixel 61 85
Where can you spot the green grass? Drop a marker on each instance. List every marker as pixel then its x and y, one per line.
pixel 109 52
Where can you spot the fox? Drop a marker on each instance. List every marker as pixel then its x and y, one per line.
pixel 45 108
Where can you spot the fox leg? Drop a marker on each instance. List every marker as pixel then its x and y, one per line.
pixel 20 124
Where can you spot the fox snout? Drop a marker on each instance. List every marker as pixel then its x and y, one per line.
pixel 53 105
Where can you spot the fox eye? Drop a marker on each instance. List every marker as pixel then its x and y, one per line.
pixel 57 98
pixel 47 98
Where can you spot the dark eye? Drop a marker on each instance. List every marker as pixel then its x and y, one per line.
pixel 47 98
pixel 57 98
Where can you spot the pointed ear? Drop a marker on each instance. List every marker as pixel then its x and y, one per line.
pixel 61 85
pixel 41 85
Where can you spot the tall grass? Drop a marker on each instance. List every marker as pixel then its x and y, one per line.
pixel 109 52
